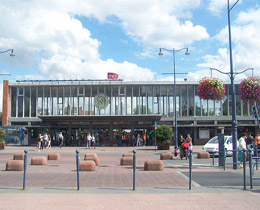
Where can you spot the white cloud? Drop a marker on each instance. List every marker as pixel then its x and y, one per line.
pixel 216 6
pixel 245 42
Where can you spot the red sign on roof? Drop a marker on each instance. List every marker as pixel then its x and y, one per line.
pixel 111 75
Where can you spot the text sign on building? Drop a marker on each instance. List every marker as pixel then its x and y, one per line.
pixel 111 75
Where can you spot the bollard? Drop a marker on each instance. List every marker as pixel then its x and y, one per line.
pixel 213 159
pixel 25 167
pixel 250 168
pixel 77 163
pixel 134 167
pixel 256 154
pixel 224 159
pixel 190 168
pixel 244 168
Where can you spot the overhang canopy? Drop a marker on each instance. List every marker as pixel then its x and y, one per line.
pixel 100 118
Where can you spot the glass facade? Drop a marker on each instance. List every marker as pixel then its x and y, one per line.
pixel 111 99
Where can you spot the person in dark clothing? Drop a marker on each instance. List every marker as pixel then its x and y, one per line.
pixel 249 140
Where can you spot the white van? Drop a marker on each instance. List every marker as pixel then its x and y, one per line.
pixel 212 145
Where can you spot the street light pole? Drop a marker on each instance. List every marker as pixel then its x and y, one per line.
pixel 174 73
pixel 234 121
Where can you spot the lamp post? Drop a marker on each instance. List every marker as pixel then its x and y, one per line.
pixel 174 73
pixel 234 123
pixel 232 75
pixel 11 52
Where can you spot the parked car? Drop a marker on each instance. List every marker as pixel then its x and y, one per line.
pixel 212 145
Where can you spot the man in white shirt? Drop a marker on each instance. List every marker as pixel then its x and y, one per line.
pixel 88 140
pixel 241 146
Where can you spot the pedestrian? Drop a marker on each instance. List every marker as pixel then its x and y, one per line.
pixel 39 142
pixel 45 140
pixel 126 139
pixel 93 141
pixel 49 141
pixel 175 152
pixel 133 139
pixel 257 140
pixel 144 139
pixel 249 140
pixel 138 140
pixel 182 140
pixel 61 139
pixel 241 147
pixel 189 140
pixel 88 141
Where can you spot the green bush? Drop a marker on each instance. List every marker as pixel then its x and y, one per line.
pixel 2 134
pixel 164 134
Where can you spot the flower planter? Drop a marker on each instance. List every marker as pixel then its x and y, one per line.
pixel 2 145
pixel 211 89
pixel 163 146
pixel 249 89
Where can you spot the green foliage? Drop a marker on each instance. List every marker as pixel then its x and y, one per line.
pixel 164 134
pixel 2 134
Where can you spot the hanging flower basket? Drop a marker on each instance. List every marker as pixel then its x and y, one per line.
pixel 249 89
pixel 211 89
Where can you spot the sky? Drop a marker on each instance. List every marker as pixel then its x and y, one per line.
pixel 86 39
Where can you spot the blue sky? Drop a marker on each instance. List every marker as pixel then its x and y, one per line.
pixel 85 39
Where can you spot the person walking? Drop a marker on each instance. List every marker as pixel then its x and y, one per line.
pixel 241 147
pixel 88 141
pixel 93 141
pixel 39 144
pixel 133 139
pixel 138 140
pixel 182 140
pixel 189 140
pixel 49 141
pixel 45 139
pixel 61 138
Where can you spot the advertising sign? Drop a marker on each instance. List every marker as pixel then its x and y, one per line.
pixel 111 75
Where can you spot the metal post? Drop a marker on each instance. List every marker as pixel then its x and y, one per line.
pixel 224 159
pixel 244 168
pixel 234 121
pixel 155 126
pixel 190 168
pixel 256 154
pixel 250 168
pixel 175 103
pixel 25 167
pixel 77 163
pixel 134 168
pixel 213 159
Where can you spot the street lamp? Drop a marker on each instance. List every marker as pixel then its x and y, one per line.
pixel 234 123
pixel 174 73
pixel 11 52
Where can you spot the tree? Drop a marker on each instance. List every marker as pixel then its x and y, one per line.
pixel 2 134
pixel 164 134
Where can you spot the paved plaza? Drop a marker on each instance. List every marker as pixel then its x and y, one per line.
pixel 54 185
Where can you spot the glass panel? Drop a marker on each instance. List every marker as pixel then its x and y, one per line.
pixel 13 102
pixel 108 93
pixel 87 100
pixel 20 106
pixel 33 101
pixel 197 103
pixel 211 108
pixel 80 90
pixel 47 101
pixel 143 100
pixel 184 100
pixel 204 107
pixel 40 101
pixel 94 110
pixel 218 108
pixel 164 100
pixel 60 100
pixel 54 100
pixel 27 102
pixel 101 90
pixel 66 100
pixel 191 100
pixel 178 100
pixel 149 99
pixel 170 100
pixel 245 108
pixel 136 100
pixel 81 105
pixel 156 99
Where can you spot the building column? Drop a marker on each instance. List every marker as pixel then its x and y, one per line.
pixel 195 135
pixel 111 133
pixel 5 106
